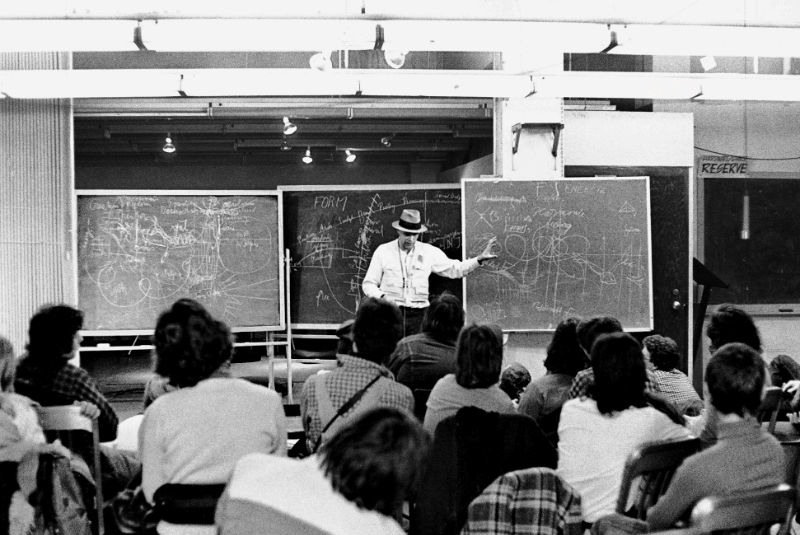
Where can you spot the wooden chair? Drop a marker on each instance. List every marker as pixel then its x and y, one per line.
pixel 770 407
pixel 655 464
pixel 746 513
pixel 64 420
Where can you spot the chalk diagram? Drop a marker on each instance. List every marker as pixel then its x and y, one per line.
pixel 138 255
pixel 555 260
pixel 340 243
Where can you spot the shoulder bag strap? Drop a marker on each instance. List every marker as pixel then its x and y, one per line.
pixel 343 409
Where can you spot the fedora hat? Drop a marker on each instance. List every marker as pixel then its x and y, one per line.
pixel 410 222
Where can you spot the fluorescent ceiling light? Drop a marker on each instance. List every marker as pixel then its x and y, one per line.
pixel 268 82
pixel 672 40
pixel 89 83
pixel 416 83
pixel 66 35
pixel 615 85
pixel 750 87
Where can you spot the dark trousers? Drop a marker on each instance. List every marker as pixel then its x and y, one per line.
pixel 412 319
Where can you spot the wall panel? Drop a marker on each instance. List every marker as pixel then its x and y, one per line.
pixel 36 177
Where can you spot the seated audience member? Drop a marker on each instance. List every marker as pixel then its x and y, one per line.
pixel 745 458
pixel 662 353
pixel 355 485
pixel 344 334
pixel 196 434
pixel 8 365
pixel 513 380
pixel 361 381
pixel 597 435
pixel 45 375
pixel 422 359
pixel 587 332
pixel 727 324
pixel 479 356
pixel 545 396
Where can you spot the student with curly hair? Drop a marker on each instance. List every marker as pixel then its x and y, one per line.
pixel 197 433
pixel 662 354
pixel 356 485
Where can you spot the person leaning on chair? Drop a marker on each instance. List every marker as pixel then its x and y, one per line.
pixel 399 270
pixel 745 458
pixel 45 375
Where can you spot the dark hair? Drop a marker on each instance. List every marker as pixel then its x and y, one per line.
pixel 479 356
pixel 588 330
pixel 564 353
pixel 735 378
pixel 514 379
pixel 345 335
pixel 8 365
pixel 730 323
pixel 190 345
pixel 377 329
pixel 619 373
pixel 51 334
pixel 444 318
pixel 663 351
pixel 375 461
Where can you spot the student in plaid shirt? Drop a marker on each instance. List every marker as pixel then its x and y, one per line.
pixel 662 355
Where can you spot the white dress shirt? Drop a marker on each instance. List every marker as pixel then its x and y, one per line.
pixel 403 276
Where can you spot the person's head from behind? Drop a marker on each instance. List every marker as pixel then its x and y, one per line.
pixel 735 378
pixel 377 329
pixel 619 373
pixel 345 335
pixel 564 354
pixel 589 330
pixel 662 352
pixel 444 318
pixel 514 379
pixel 730 323
pixel 53 334
pixel 190 345
pixel 479 356
pixel 8 365
pixel 375 461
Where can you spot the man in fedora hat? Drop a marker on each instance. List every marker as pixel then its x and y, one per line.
pixel 399 270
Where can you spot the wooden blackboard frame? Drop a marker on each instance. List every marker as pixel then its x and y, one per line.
pixel 280 255
pixel 518 177
pixel 360 187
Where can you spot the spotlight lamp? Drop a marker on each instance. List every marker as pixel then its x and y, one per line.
pixel 285 145
pixel 350 158
pixel 395 58
pixel 307 158
pixel 289 128
pixel 168 146
pixel 386 141
pixel 321 61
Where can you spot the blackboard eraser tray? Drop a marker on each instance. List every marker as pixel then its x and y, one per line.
pixel 792 309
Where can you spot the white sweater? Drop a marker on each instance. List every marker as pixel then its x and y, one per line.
pixel 592 449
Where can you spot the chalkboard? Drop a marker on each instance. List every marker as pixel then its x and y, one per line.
pixel 764 269
pixel 566 247
pixel 332 232
pixel 138 252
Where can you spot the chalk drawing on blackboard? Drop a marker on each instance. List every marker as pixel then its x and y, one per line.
pixel 138 254
pixel 332 232
pixel 565 248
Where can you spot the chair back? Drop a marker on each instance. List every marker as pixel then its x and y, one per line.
pixel 421 396
pixel 746 513
pixel 770 407
pixel 655 464
pixel 187 504
pixel 64 420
